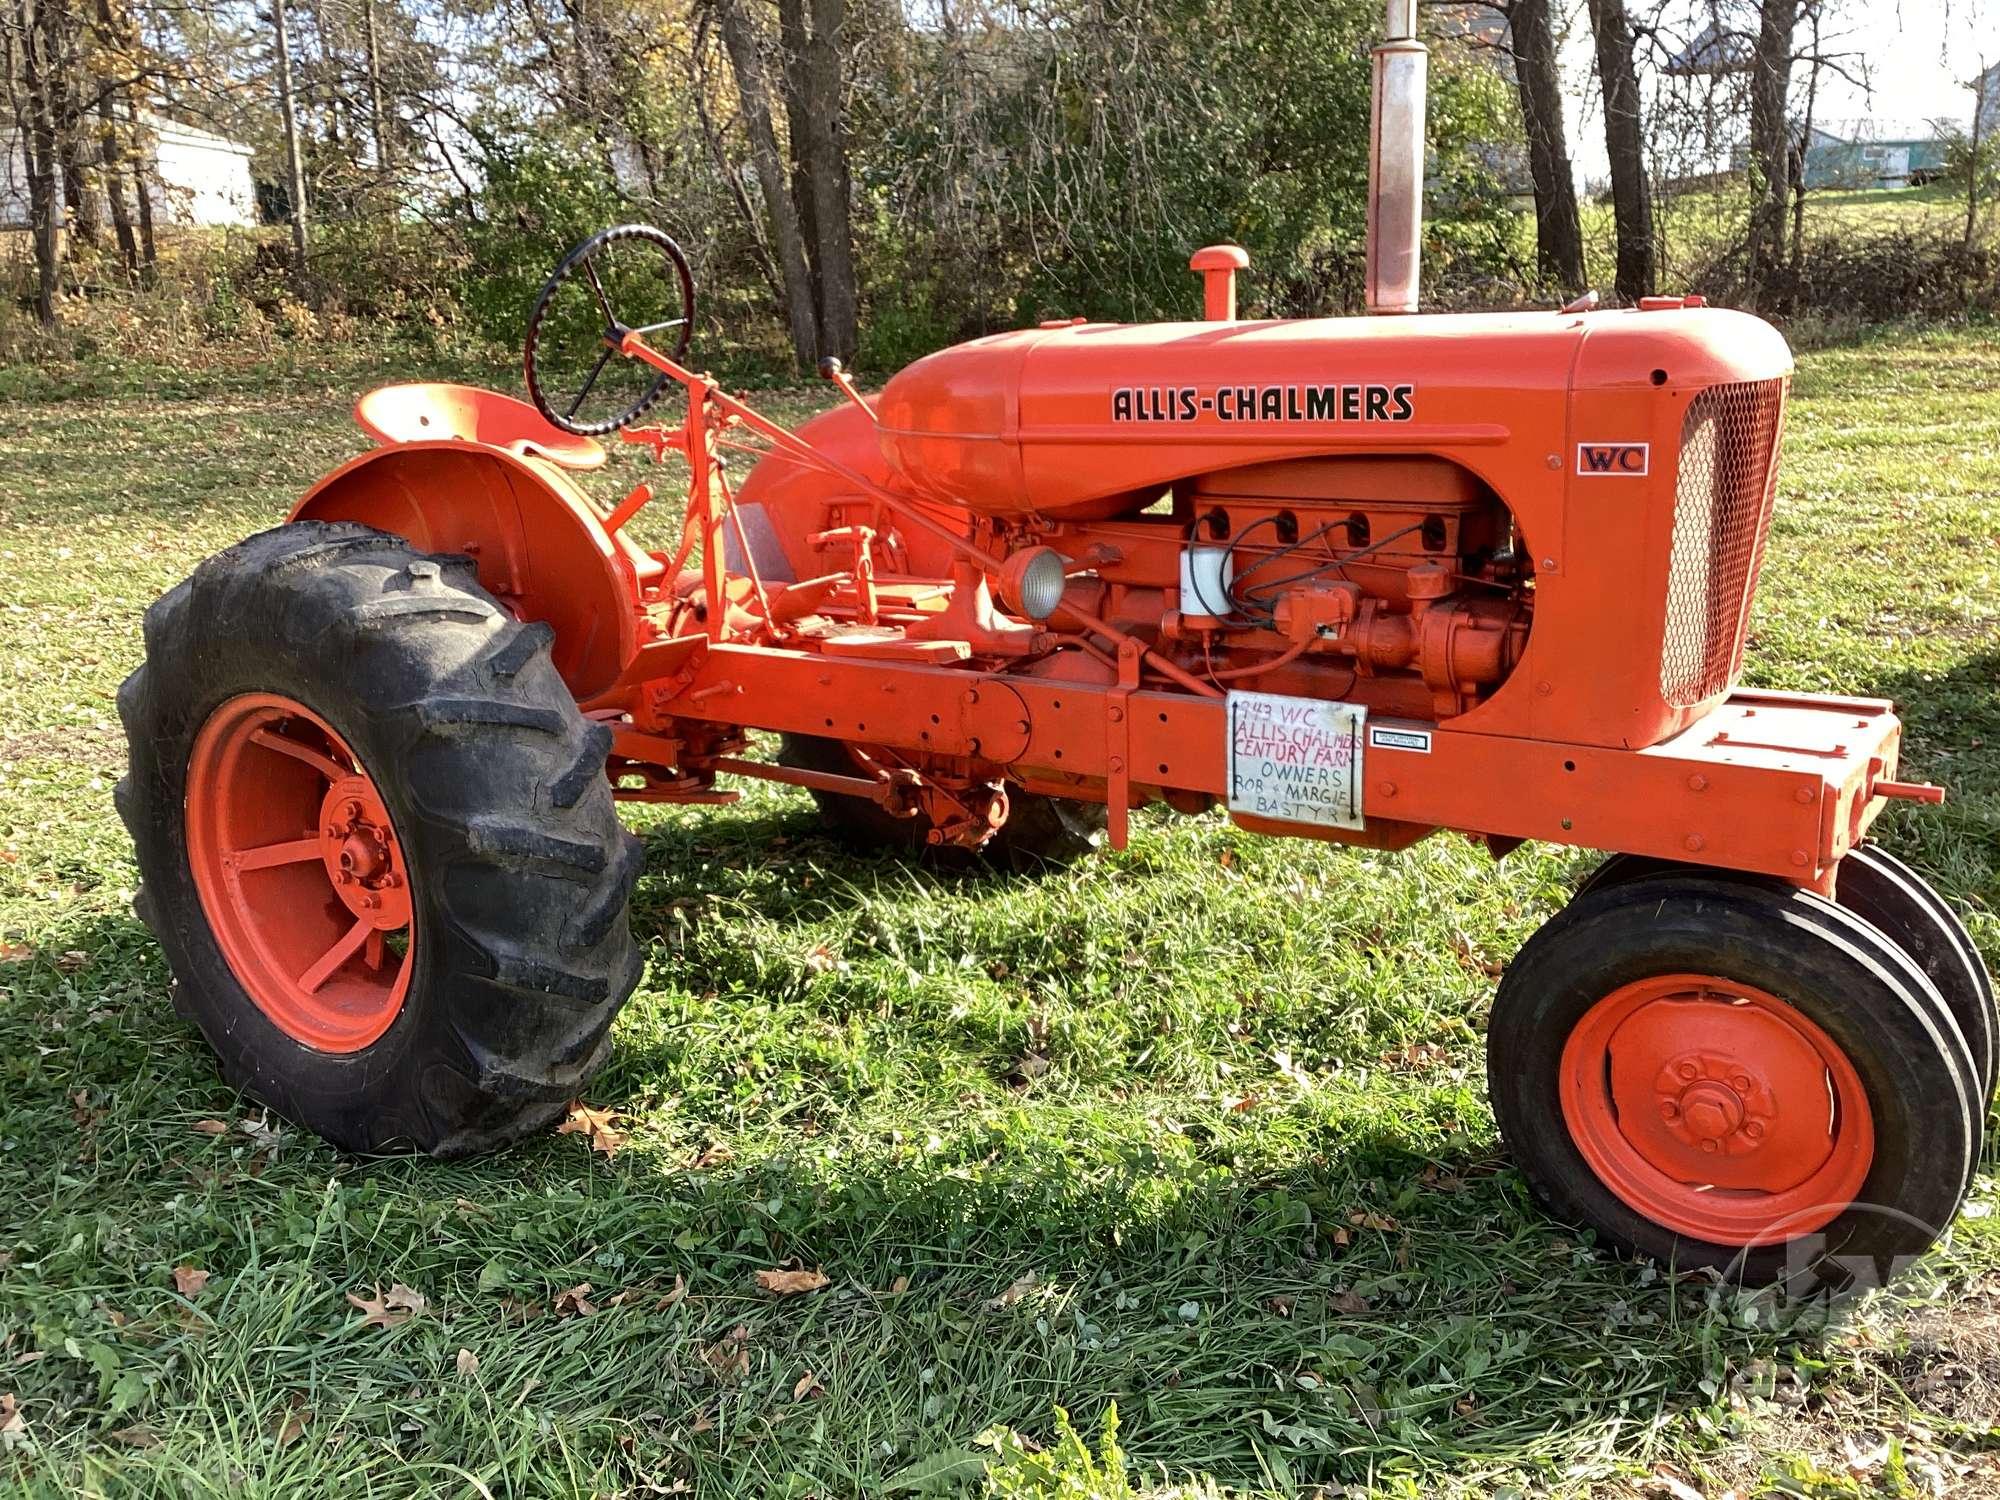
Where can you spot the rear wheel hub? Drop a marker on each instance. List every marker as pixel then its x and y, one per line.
pixel 300 872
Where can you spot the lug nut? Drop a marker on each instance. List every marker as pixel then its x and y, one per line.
pixel 1741 1083
pixel 1754 1129
pixel 1686 1070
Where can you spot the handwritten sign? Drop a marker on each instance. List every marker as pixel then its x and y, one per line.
pixel 1297 760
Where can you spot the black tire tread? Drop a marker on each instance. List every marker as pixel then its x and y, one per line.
pixel 468 718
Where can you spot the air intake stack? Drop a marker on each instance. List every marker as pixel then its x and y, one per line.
pixel 1396 164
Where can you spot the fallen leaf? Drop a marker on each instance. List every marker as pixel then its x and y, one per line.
pixel 680 1290
pixel 1361 1220
pixel 821 959
pixel 1282 1061
pixel 791 1283
pixel 714 1154
pixel 1014 1293
pixel 189 1280
pixel 1353 1304
pixel 211 1127
pixel 729 1356
pixel 468 1362
pixel 397 1308
pixel 598 1126
pixel 703 1422
pixel 72 960
pixel 1668 1485
pixel 291 1425
pixel 138 1435
pixel 899 1286
pixel 575 1302
pixel 1282 1306
pixel 13 953
pixel 807 1385
pixel 1027 1068
pixel 13 1426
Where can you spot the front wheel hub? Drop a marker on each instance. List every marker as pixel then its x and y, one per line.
pixel 1716 1109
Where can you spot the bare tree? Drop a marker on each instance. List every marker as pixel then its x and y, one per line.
pixel 1625 144
pixel 746 60
pixel 378 114
pixel 828 181
pixel 295 177
pixel 32 26
pixel 1538 84
pixel 1770 143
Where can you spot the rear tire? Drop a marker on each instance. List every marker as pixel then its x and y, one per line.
pixel 1574 1085
pixel 1039 831
pixel 518 873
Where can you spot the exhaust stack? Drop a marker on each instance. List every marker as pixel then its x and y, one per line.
pixel 1396 163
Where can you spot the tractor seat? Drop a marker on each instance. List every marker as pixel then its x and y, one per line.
pixel 429 411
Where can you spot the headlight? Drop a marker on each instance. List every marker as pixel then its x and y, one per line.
pixel 1031 582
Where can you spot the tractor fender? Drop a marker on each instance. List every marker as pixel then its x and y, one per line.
pixel 536 540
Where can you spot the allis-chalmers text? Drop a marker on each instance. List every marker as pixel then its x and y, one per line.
pixel 1264 403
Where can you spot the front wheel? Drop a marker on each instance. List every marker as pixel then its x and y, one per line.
pixel 1720 1075
pixel 376 841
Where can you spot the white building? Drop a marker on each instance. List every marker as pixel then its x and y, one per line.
pixel 196 177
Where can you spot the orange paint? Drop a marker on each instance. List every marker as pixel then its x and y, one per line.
pixel 1716 1109
pixel 1526 543
pixel 299 871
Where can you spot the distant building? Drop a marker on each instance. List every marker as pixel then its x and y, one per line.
pixel 1986 108
pixel 196 177
pixel 1873 154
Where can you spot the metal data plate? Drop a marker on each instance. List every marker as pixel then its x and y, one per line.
pixel 1297 760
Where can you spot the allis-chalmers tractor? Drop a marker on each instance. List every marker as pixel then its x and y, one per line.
pixel 1358 580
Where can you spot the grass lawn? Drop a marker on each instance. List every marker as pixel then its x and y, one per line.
pixel 1198 1129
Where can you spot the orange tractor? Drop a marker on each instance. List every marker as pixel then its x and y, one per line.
pixel 1357 580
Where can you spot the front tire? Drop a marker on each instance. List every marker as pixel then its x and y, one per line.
pixel 1715 1074
pixel 376 842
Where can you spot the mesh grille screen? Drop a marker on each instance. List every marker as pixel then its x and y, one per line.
pixel 1722 509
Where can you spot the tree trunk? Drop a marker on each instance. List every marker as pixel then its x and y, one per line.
pixel 111 154
pixel 1558 229
pixel 142 190
pixel 1797 149
pixel 1770 145
pixel 1975 160
pixel 295 177
pixel 38 150
pixel 826 138
pixel 1624 141
pixel 114 184
pixel 377 115
pixel 747 62
pixel 794 41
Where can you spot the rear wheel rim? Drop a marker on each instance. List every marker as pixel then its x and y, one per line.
pixel 1716 1109
pixel 300 872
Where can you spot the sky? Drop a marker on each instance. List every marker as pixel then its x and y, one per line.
pixel 1916 53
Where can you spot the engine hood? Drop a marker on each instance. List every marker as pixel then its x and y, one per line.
pixel 1088 420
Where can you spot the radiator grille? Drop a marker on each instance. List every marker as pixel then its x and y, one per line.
pixel 1722 510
